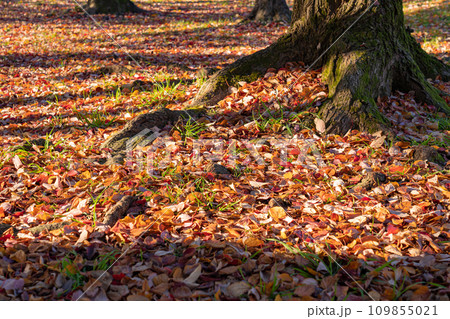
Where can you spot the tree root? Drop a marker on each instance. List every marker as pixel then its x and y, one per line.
pixel 427 153
pixel 118 210
pixel 248 69
pixel 48 227
pixel 136 131
pixel 371 180
pixel 140 131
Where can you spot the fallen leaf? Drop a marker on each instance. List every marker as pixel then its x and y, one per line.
pixel 277 213
pixel 192 278
pixel 238 288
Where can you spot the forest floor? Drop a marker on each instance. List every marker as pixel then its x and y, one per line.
pixel 287 215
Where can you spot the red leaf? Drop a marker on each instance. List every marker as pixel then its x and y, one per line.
pixel 391 229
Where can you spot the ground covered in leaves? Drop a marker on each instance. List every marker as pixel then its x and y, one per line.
pixel 245 203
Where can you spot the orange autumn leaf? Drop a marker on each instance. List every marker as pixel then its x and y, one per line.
pixel 277 213
pixel 396 169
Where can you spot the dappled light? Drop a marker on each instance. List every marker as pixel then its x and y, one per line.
pixel 116 185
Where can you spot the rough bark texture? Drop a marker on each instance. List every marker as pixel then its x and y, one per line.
pixel 140 131
pixel 140 128
pixel 112 7
pixel 375 56
pixel 48 227
pixel 118 211
pixel 270 10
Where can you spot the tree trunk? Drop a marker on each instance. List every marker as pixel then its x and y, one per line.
pixel 112 7
pixel 270 10
pixel 373 57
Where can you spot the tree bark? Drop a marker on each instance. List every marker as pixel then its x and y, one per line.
pixel 375 56
pixel 112 7
pixel 270 10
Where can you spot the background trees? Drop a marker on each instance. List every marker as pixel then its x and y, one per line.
pixel 112 6
pixel 270 10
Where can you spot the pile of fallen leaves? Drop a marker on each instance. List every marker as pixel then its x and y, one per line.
pixel 248 202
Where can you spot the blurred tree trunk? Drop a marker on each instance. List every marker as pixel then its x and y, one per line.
pixel 364 50
pixel 270 10
pixel 112 7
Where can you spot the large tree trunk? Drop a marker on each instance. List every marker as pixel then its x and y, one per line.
pixel 373 57
pixel 270 10
pixel 112 7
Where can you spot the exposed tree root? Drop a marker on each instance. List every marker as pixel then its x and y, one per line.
pixel 247 69
pixel 371 180
pixel 140 131
pixel 118 210
pixel 427 153
pixel 48 227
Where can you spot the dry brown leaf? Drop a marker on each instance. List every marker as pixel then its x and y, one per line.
pixel 304 290
pixel 192 278
pixel 238 288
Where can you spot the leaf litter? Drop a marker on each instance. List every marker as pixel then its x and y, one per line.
pixel 294 221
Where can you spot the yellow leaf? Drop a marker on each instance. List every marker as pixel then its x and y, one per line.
pixel 127 219
pixel 276 127
pixel 252 242
pixel 43 216
pixel 86 175
pixel 195 197
pixel 288 175
pixel 277 213
pixel 233 232
pixel 81 183
pixel 446 193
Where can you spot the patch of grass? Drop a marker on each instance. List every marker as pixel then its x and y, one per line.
pixel 163 92
pixel 200 81
pixel 276 120
pixel 331 265
pixel 191 129
pixel 95 202
pixel 96 119
pixel 116 95
pixel 201 184
pixel 70 270
pixel 103 262
pixel 173 194
pixel 431 140
pixel 444 123
pixel 228 206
